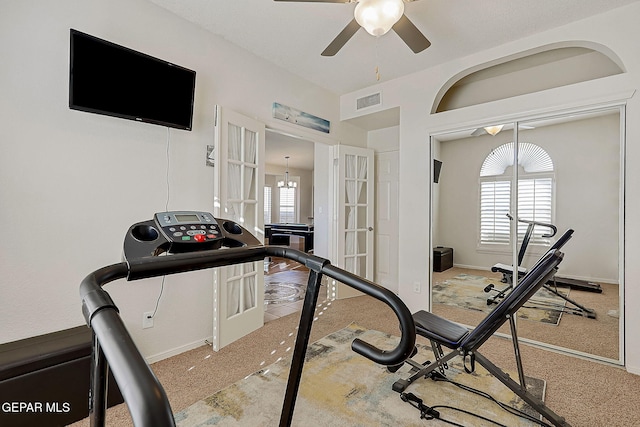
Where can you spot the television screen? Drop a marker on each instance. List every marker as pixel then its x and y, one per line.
pixel 109 79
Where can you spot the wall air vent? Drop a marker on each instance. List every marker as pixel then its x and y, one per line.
pixel 369 101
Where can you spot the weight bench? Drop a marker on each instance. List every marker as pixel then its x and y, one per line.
pixel 465 342
pixel 507 274
pixel 507 270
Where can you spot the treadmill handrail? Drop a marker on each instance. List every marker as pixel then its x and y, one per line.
pixel 146 399
pixel 407 339
pixel 140 389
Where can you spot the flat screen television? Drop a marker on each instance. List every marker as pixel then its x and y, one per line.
pixel 106 78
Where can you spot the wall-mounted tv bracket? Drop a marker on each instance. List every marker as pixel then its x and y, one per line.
pixel 160 247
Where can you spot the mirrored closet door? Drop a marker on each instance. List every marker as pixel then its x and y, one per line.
pixel 506 192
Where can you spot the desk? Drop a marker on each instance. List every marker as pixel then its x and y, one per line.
pixel 303 230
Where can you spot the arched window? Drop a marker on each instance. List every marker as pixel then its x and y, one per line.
pixel 535 193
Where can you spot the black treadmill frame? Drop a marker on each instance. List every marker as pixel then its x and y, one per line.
pixel 114 349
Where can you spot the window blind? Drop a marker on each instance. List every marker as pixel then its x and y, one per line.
pixel 287 204
pixel 495 199
pixel 534 204
pixel 267 205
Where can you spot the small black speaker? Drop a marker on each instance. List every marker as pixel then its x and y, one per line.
pixel 437 166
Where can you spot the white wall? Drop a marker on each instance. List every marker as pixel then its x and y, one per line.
pixel 386 139
pixel 616 31
pixel 323 243
pixel 73 182
pixel 542 73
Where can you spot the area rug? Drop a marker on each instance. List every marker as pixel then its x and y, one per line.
pixel 341 388
pixel 467 291
pixel 283 292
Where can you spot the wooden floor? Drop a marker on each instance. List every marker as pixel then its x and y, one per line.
pixel 284 270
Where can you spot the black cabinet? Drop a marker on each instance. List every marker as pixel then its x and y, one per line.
pixel 442 258
pixel 44 380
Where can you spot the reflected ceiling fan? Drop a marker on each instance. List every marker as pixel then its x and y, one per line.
pixel 495 129
pixel 377 17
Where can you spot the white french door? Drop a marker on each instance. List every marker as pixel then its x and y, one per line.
pixel 238 196
pixel 386 220
pixel 354 213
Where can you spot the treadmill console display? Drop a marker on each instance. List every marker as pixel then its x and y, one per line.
pixel 179 232
pixel 189 229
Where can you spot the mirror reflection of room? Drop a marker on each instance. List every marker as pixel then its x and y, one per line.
pixel 568 179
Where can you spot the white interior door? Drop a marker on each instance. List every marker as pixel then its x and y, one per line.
pixel 354 213
pixel 238 184
pixel 386 220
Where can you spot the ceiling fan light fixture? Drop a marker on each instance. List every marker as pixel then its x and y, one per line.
pixel 378 16
pixel 493 130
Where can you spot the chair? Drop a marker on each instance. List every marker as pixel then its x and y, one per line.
pixel 466 342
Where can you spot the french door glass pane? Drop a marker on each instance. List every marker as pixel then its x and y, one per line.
pixel 362 242
pixel 235 142
pixel 250 180
pixel 362 192
pixel 362 167
pixel 234 189
pixel 350 166
pixel 250 147
pixel 250 285
pixel 234 298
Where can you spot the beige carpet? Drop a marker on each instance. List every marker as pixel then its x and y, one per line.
pixel 584 392
pixel 595 336
pixel 342 388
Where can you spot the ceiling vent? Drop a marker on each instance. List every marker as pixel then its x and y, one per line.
pixel 369 101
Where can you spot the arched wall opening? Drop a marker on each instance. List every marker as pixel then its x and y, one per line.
pixel 546 67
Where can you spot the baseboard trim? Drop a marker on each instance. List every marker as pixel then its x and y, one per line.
pixel 633 370
pixel 586 279
pixel 177 350
pixel 472 267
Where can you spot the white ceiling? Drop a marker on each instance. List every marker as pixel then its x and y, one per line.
pixel 279 145
pixel 293 34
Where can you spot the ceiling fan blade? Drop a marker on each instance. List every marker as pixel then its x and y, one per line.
pixel 342 38
pixel 318 1
pixel 410 34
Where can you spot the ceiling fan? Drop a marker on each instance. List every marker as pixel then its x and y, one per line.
pixel 377 17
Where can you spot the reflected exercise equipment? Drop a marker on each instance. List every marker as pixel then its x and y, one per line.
pixel 193 241
pixel 551 285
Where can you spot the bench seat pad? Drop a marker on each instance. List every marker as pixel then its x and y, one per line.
pixel 438 329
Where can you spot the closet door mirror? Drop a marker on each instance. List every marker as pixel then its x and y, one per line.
pixel 568 175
